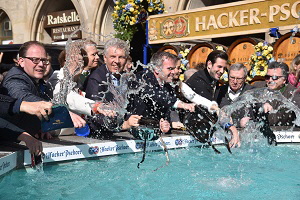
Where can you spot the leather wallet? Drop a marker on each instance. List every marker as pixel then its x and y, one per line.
pixel 59 118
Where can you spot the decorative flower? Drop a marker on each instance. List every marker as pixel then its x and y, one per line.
pixel 260 59
pixel 183 55
pixel 128 13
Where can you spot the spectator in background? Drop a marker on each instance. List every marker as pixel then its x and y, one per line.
pixel 188 73
pixel 294 75
pixel 5 67
pixel 62 58
pixel 49 69
pixel 128 66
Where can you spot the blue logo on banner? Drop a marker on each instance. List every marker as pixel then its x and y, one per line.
pixel 93 150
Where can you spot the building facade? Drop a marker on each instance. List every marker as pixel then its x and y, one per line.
pixel 51 21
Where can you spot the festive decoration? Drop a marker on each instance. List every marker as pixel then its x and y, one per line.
pixel 128 13
pixel 260 59
pixel 184 62
pixel 274 32
pixel 224 77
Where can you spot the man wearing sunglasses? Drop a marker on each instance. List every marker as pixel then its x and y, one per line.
pixel 276 79
pixel 25 82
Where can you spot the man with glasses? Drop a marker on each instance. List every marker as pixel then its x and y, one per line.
pixel 237 74
pixel 236 86
pixel 25 82
pixel 276 79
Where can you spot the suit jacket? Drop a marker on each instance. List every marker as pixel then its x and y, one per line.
pixel 19 85
pixel 8 107
pixel 95 89
pixel 203 84
pixel 223 97
pixel 152 101
pixel 224 100
pixel 284 116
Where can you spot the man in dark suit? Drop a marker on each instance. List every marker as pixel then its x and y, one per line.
pixel 236 86
pixel 116 52
pixel 205 83
pixel 9 132
pixel 25 82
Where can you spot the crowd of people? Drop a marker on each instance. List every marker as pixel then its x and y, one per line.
pixel 113 92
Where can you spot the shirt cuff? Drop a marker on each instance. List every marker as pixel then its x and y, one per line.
pixel 176 104
pixel 16 106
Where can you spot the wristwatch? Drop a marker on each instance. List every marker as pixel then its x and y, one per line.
pixel 227 126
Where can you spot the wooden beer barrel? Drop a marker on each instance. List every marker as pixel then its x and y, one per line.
pixel 241 50
pixel 173 49
pixel 287 48
pixel 198 54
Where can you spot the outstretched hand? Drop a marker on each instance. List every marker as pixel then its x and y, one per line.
pixel 40 108
pixel 35 146
pixel 77 120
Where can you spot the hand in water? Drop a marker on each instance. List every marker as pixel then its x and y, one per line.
pixel 235 139
pixel 77 120
pixel 35 146
pixel 40 108
pixel 164 125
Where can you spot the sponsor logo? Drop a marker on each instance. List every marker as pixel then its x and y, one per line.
pixel 93 150
pixel 58 122
pixel 285 136
pixel 4 165
pixel 66 153
pixel 178 142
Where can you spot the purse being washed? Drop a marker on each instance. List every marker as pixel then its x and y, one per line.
pixel 59 118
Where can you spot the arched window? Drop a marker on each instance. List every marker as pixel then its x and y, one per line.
pixel 6 35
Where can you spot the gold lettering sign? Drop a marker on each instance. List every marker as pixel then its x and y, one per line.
pixel 67 17
pixel 239 18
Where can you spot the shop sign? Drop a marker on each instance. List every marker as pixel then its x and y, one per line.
pixel 238 18
pixel 62 33
pixel 62 18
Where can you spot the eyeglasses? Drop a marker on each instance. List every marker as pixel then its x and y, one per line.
pixel 274 77
pixel 36 60
pixel 237 79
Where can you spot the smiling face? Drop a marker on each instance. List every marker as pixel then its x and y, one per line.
pixel 177 70
pixel 92 55
pixel 115 59
pixel 275 79
pixel 216 70
pixel 166 72
pixel 35 71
